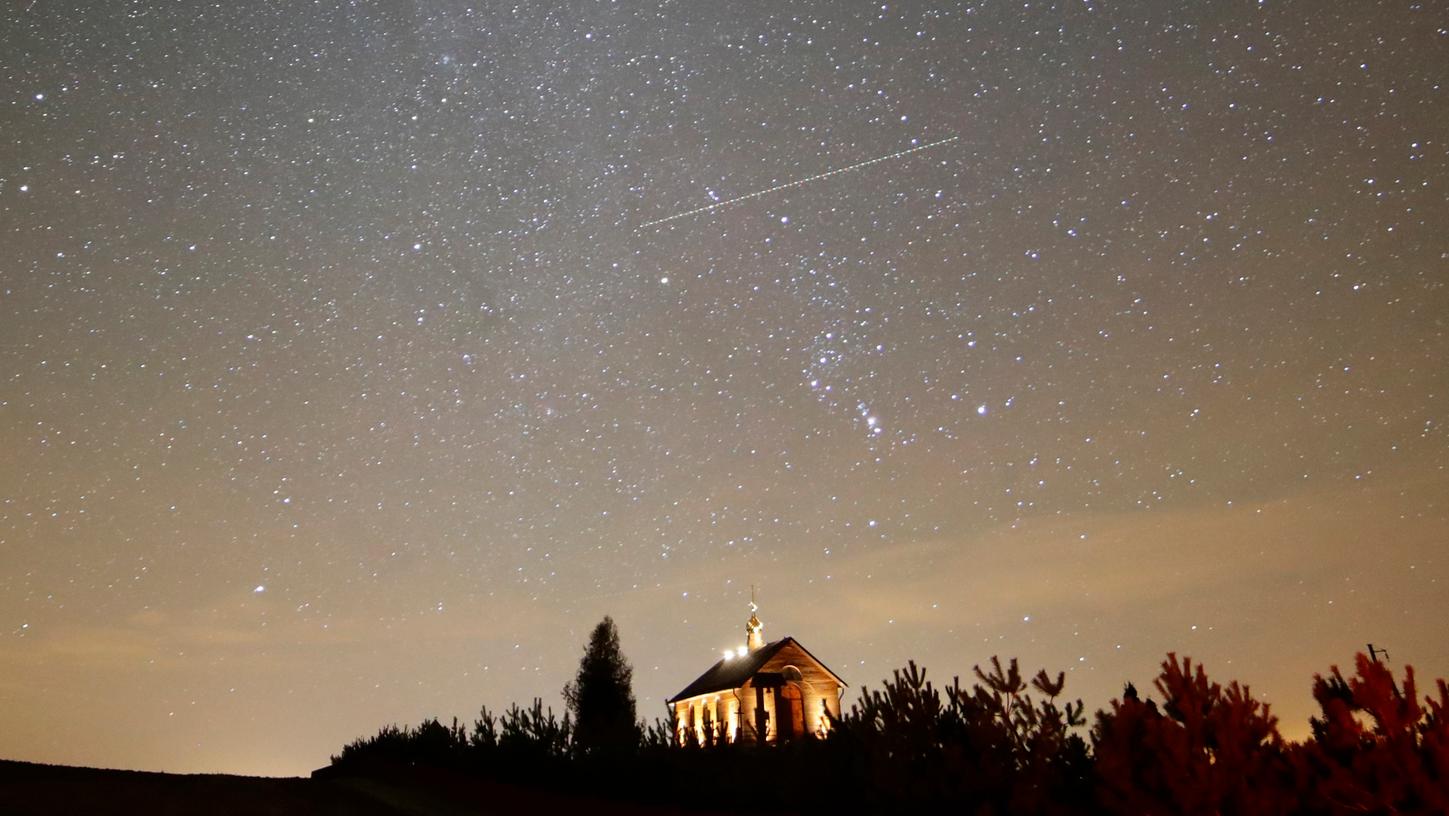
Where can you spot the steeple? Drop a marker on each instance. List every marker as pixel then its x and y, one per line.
pixel 754 630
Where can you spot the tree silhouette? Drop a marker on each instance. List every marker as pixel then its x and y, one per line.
pixel 1008 743
pixel 1209 749
pixel 1377 748
pixel 601 697
pixel 994 747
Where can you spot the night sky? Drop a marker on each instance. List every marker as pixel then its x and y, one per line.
pixel 341 383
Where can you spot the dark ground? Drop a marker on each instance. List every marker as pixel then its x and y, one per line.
pixel 27 788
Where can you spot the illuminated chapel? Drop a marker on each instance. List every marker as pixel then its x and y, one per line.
pixel 760 693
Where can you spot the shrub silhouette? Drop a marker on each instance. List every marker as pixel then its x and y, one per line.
pixel 431 743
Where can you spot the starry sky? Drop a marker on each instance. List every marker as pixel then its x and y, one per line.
pixel 342 383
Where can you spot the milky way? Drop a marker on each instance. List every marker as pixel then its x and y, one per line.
pixel 339 385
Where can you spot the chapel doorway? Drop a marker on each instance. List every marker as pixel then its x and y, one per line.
pixel 792 712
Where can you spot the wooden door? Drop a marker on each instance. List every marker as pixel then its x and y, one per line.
pixel 791 712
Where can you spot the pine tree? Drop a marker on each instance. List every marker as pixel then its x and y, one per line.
pixel 601 697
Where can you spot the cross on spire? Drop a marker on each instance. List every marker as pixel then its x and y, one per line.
pixel 754 630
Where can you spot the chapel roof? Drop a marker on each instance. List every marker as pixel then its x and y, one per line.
pixel 731 673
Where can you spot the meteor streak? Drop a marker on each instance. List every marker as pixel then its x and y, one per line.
pixel 778 187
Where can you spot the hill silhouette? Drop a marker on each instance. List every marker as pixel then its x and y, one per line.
pixel 32 789
pixel 1004 744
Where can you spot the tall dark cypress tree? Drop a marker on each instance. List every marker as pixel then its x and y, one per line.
pixel 601 697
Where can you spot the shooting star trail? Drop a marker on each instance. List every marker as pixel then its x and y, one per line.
pixel 787 185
